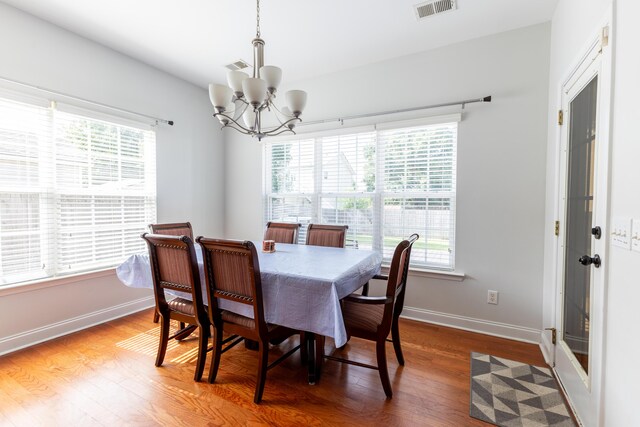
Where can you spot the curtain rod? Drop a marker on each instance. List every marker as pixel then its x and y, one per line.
pixel 404 110
pixel 76 98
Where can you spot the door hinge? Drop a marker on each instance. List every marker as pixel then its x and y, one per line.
pixel 560 117
pixel 604 37
pixel 553 334
pixel 556 229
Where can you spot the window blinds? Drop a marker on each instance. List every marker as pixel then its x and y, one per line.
pixel 385 185
pixel 419 171
pixel 348 184
pixel 75 192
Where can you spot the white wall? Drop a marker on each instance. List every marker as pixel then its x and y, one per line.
pixel 189 161
pixel 501 170
pixel 622 371
pixel 573 26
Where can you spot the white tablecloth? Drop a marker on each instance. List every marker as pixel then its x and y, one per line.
pixel 301 285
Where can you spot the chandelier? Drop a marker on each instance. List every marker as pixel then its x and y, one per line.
pixel 242 104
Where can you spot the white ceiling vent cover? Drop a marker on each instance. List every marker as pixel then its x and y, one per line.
pixel 434 7
pixel 240 64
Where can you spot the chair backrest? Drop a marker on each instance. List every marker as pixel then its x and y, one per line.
pixel 327 235
pixel 232 272
pixel 173 229
pixel 398 272
pixel 174 266
pixel 282 232
pixel 399 305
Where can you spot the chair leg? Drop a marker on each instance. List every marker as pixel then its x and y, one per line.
pixel 202 351
pixel 319 353
pixel 382 367
pixel 365 289
pixel 217 349
pixel 395 337
pixel 156 317
pixel 304 355
pixel 263 359
pixel 164 339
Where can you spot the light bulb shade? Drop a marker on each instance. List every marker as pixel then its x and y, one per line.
pixel 235 79
pixel 296 100
pixel 249 117
pixel 255 90
pixel 220 95
pixel 272 75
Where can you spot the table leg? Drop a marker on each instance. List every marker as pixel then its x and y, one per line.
pixel 315 355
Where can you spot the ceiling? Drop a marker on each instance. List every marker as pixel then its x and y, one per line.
pixel 194 39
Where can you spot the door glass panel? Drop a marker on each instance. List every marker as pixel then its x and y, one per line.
pixel 577 277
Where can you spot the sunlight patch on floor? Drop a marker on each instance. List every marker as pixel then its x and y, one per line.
pixel 189 357
pixel 147 342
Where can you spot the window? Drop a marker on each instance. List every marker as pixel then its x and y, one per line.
pixel 75 192
pixel 385 184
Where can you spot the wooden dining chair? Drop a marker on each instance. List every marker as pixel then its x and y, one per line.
pixel 174 266
pixel 373 317
pixel 232 273
pixel 333 236
pixel 171 229
pixel 282 232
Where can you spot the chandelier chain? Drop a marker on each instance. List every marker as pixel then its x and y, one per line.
pixel 258 19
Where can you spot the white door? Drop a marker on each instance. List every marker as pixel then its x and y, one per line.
pixel 582 239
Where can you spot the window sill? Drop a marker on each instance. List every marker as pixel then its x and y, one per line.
pixel 54 281
pixel 432 274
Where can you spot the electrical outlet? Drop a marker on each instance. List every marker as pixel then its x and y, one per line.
pixel 492 297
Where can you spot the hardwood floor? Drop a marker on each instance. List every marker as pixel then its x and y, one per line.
pixel 106 376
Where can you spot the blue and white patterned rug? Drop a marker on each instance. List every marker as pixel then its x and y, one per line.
pixel 510 394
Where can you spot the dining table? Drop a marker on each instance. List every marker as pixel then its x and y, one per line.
pixel 302 286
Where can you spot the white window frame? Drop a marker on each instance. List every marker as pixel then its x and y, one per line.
pixel 378 195
pixel 50 194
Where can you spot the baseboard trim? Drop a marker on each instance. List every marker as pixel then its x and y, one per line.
pixel 496 329
pixel 35 336
pixel 547 349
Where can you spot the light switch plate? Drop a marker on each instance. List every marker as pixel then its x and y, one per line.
pixel 621 233
pixel 635 234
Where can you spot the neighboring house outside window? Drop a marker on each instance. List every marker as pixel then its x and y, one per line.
pixel 385 184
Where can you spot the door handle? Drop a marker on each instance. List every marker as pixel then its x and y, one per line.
pixel 587 260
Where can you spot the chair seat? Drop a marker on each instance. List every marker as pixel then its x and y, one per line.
pixel 237 319
pixel 363 317
pixel 241 320
pixel 182 305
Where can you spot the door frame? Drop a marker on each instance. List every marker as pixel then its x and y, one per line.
pixel 588 410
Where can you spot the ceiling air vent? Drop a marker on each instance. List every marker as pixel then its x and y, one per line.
pixel 434 7
pixel 238 65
